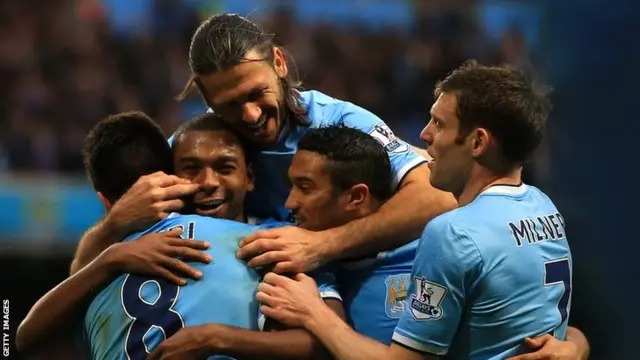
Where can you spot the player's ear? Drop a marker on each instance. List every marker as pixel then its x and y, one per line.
pixel 250 178
pixel 358 196
pixel 105 202
pixel 279 63
pixel 480 139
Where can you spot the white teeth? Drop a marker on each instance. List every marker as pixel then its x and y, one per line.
pixel 258 125
pixel 211 204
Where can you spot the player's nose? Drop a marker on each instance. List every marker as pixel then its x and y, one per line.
pixel 209 179
pixel 251 112
pixel 426 135
pixel 291 202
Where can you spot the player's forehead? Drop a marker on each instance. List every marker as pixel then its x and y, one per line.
pixel 211 142
pixel 309 165
pixel 445 107
pixel 237 82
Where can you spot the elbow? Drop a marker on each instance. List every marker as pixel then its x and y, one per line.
pixel 22 340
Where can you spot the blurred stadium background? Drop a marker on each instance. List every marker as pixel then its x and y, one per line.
pixel 65 64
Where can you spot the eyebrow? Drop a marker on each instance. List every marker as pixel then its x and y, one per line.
pixel 437 117
pixel 260 86
pixel 222 158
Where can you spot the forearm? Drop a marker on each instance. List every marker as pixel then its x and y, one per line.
pixel 94 242
pixel 249 345
pixel 577 337
pixel 62 307
pixel 341 341
pixel 400 220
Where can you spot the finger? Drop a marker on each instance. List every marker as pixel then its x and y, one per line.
pixel 533 356
pixel 179 190
pixel 161 179
pixel 268 258
pixel 266 288
pixel 537 342
pixel 174 232
pixel 269 312
pixel 169 276
pixel 188 254
pixel 265 299
pixel 262 234
pixel 258 247
pixel 284 267
pixel 169 205
pixel 193 244
pixel 182 267
pixel 301 277
pixel 275 279
pixel 156 354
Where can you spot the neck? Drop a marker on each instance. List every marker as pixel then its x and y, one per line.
pixel 481 179
pixel 240 217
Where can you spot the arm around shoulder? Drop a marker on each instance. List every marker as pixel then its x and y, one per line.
pixel 400 220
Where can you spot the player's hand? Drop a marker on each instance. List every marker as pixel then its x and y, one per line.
pixel 161 255
pixel 290 249
pixel 188 343
pixel 549 348
pixel 289 301
pixel 152 198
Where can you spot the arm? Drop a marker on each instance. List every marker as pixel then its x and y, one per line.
pixel 296 304
pixel 403 217
pixel 149 200
pixel 346 344
pixel 93 242
pixel 61 308
pixel 580 340
pixel 276 342
pixel 64 305
pixel 400 220
pixel 215 339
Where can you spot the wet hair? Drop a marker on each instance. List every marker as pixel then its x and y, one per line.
pixel 223 41
pixel 503 100
pixel 120 149
pixel 213 122
pixel 353 157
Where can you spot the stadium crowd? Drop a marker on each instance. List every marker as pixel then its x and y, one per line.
pixel 64 66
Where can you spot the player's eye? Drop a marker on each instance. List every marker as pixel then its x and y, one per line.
pixel 255 95
pixel 190 169
pixel 227 169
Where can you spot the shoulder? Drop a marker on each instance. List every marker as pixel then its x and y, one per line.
pixel 452 232
pixel 326 110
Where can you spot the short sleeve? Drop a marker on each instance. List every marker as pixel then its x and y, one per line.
pixel 446 264
pixel 402 157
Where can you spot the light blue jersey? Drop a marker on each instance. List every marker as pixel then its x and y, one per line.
pixel 487 275
pixel 130 317
pixel 134 314
pixel 272 164
pixel 374 291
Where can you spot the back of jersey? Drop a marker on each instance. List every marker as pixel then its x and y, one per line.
pixel 134 314
pixel 489 274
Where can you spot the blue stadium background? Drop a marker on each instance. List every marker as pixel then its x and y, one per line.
pixel 65 64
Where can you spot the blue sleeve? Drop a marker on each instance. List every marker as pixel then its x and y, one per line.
pixel 403 158
pixel 327 284
pixel 446 264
